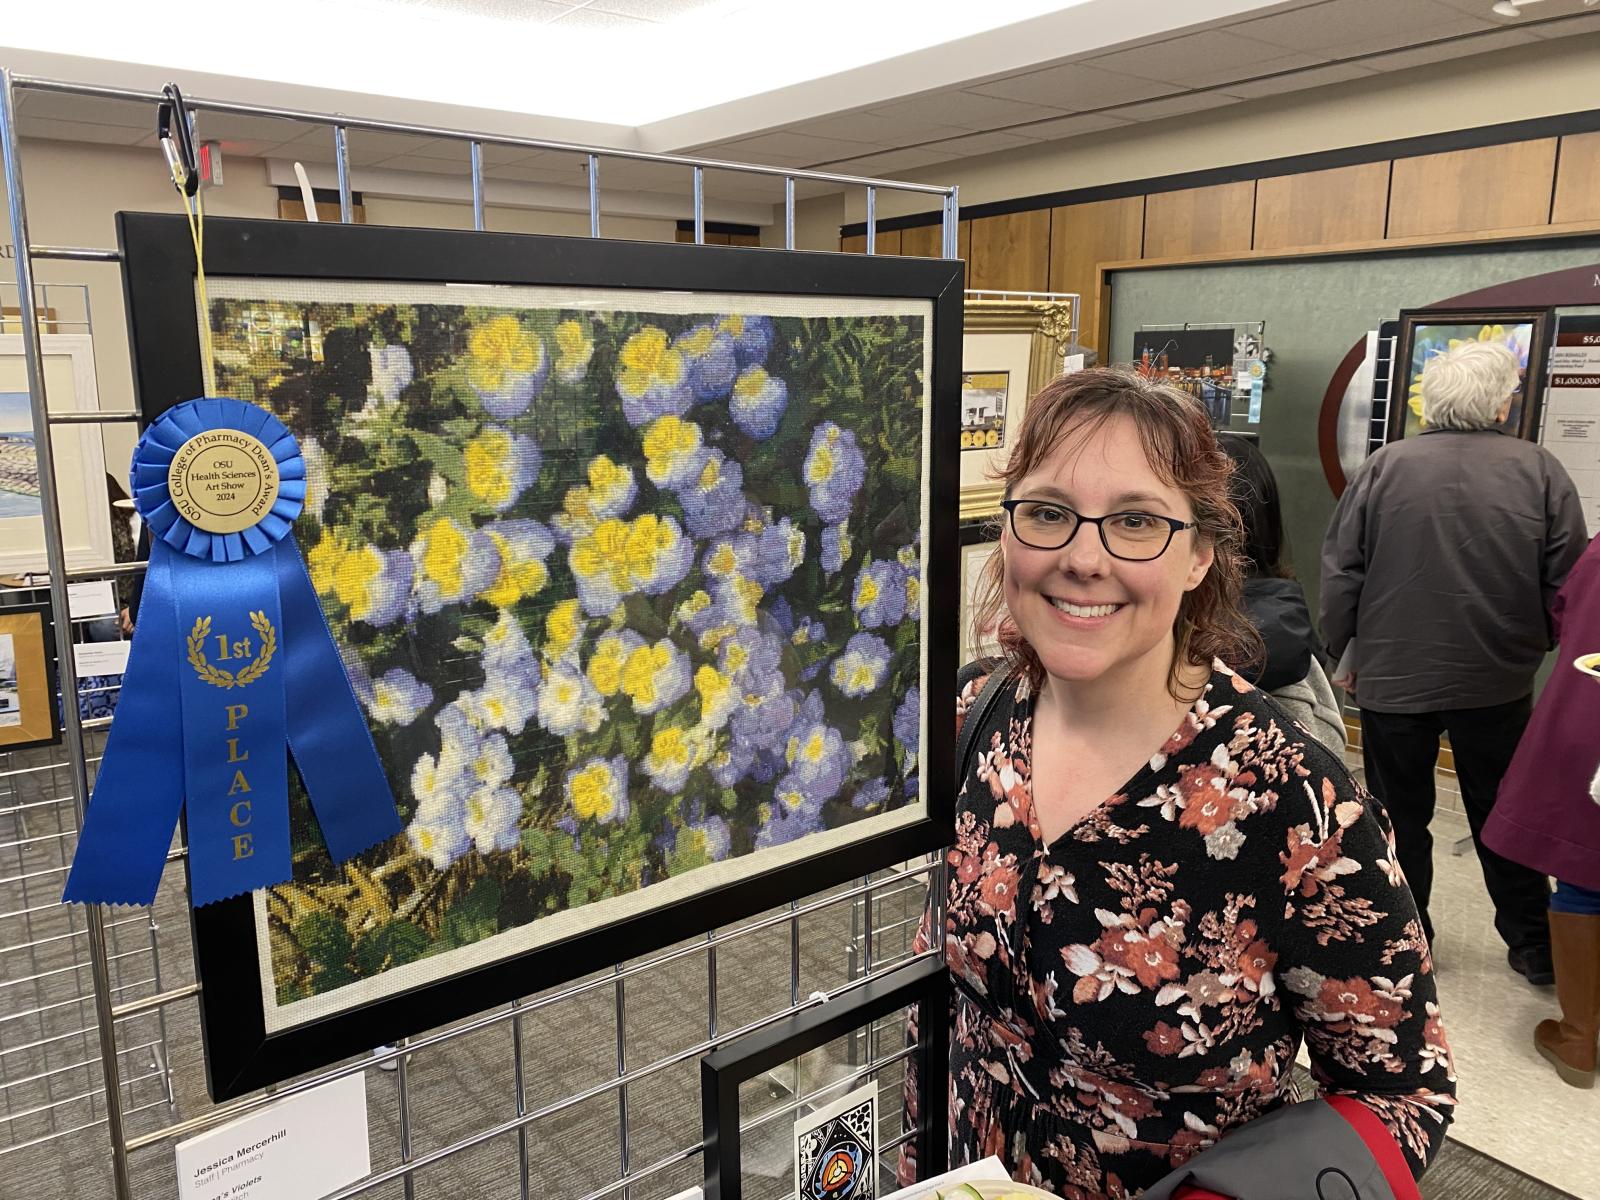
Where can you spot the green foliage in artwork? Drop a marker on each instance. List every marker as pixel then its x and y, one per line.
pixel 624 595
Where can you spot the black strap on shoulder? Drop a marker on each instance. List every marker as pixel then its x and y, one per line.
pixel 978 716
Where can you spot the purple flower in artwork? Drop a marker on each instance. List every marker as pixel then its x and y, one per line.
pixel 834 471
pixel 714 502
pixel 752 337
pixel 779 551
pixel 871 793
pixel 880 594
pixel 793 814
pixel 758 402
pixel 709 354
pixel 835 547
pixel 908 725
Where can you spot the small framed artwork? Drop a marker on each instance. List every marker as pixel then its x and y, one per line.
pixel 69 378
pixel 980 541
pixel 646 612
pixel 1009 350
pixel 27 684
pixel 1430 331
pixel 836 1150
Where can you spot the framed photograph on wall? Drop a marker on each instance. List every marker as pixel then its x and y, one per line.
pixel 1430 331
pixel 980 542
pixel 846 1163
pixel 28 714
pixel 79 457
pixel 1009 350
pixel 642 561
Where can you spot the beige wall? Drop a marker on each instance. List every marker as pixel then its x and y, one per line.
pixel 1539 80
pixel 75 189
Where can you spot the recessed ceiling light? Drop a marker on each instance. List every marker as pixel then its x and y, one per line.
pixel 1513 8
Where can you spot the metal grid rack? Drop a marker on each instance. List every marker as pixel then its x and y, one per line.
pixel 882 908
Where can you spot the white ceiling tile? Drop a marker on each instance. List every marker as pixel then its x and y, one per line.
pixel 80 131
pixel 219 126
pixel 875 129
pixel 967 110
pixel 1074 87
pixel 522 173
pixel 782 148
pixel 1352 27
pixel 975 144
pixel 653 10
pixel 1175 106
pixel 420 165
pixel 889 162
pixel 595 18
pixel 1571 26
pixel 1205 59
pixel 1297 81
pixel 494 155
pixel 1482 43
pixel 366 148
pixel 90 110
pixel 1065 127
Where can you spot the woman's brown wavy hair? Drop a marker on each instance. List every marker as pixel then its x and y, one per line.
pixel 1183 451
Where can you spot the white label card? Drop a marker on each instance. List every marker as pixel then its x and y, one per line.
pixel 94 598
pixel 100 658
pixel 300 1148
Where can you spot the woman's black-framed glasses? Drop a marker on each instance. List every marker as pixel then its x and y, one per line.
pixel 1130 536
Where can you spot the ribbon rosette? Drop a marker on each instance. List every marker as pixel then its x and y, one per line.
pixel 232 670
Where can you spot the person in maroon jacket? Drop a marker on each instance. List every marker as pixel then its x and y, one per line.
pixel 1547 817
pixel 1161 887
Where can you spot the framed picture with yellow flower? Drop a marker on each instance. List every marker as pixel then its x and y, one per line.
pixel 1430 331
pixel 1010 349
pixel 634 556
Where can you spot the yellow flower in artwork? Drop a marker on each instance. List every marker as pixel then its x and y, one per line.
pixel 323 559
pixel 574 349
pixel 672 451
pixel 606 667
pixel 444 548
pixel 718 696
pixel 500 351
pixel 519 576
pixel 596 791
pixel 563 625
pixel 487 461
pixel 648 358
pixel 604 553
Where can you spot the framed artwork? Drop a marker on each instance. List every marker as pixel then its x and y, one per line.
pixel 1426 332
pixel 27 678
pixel 980 541
pixel 924 983
pixel 79 457
pixel 642 560
pixel 1009 350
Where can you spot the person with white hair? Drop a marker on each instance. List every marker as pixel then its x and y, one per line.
pixel 1440 564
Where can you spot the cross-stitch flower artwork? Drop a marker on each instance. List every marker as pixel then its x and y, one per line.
pixel 629 585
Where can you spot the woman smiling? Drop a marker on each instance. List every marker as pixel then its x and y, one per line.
pixel 1160 886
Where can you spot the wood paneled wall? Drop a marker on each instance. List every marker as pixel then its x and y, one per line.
pixel 1514 190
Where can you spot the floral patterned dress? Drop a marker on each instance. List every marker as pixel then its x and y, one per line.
pixel 1129 993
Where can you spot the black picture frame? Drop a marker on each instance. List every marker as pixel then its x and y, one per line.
pixel 1414 323
pixel 159 284
pixel 924 982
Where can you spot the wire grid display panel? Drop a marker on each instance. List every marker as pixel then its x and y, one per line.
pixel 50 1077
pixel 608 1090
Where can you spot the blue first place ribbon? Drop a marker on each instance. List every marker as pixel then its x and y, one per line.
pixel 230 630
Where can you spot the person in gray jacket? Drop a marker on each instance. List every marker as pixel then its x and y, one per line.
pixel 1440 563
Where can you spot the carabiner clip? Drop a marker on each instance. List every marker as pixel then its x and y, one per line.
pixel 177 141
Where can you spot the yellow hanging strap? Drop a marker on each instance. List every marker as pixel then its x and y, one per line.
pixel 196 212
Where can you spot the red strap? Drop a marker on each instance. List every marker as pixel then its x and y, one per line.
pixel 1380 1144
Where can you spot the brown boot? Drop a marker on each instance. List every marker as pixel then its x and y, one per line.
pixel 1570 1043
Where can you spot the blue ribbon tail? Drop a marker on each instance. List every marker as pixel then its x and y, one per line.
pixel 328 734
pixel 236 769
pixel 127 829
